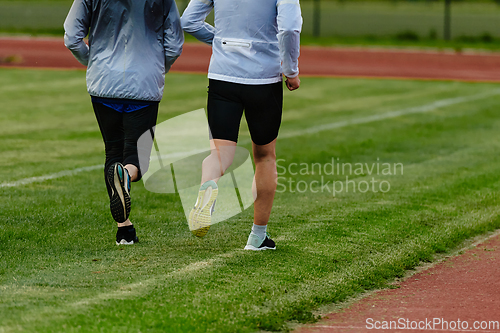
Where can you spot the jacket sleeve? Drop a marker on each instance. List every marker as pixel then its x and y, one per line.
pixel 193 20
pixel 173 37
pixel 76 28
pixel 289 28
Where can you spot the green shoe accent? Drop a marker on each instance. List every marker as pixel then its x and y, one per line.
pixel 208 184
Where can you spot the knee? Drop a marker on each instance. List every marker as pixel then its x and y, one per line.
pixel 264 155
pixel 218 160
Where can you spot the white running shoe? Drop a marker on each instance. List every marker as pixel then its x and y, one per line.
pixel 255 243
pixel 200 217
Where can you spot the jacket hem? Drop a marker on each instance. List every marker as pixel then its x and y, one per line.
pixel 123 97
pixel 241 80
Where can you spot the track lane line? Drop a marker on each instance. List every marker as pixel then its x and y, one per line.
pixel 391 114
pixel 307 131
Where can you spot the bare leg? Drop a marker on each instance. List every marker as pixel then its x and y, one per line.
pixel 219 160
pixel 266 177
pixel 124 224
pixel 132 171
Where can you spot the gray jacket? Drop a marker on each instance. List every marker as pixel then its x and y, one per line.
pixel 253 41
pixel 132 44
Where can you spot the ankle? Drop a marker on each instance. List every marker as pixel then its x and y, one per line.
pixel 124 224
pixel 259 230
pixel 133 172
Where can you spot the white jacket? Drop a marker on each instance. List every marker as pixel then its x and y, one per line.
pixel 253 41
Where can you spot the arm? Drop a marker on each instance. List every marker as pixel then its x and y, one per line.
pixel 76 27
pixel 193 20
pixel 289 28
pixel 173 37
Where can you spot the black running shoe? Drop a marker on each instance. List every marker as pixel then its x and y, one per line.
pixel 126 236
pixel 119 181
pixel 255 243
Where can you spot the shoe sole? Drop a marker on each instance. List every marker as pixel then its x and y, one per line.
pixel 124 242
pixel 200 218
pixel 253 248
pixel 120 198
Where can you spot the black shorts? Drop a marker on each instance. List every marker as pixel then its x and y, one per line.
pixel 263 105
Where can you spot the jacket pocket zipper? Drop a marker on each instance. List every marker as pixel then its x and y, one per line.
pixel 235 43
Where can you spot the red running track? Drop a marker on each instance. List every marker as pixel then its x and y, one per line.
pixel 465 288
pixel 350 62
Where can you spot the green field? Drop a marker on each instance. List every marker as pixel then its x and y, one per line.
pixel 349 19
pixel 61 271
pixel 378 21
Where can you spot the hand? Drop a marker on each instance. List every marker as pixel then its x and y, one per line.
pixel 292 83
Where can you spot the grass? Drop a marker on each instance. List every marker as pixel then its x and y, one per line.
pixel 61 271
pixel 389 18
pixel 38 17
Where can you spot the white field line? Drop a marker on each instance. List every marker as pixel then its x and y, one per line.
pixel 137 288
pixel 311 130
pixel 392 114
pixel 126 291
pixel 59 174
pixel 73 172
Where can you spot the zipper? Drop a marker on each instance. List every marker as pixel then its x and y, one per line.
pixel 235 43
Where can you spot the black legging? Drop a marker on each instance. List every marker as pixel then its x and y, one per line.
pixel 120 132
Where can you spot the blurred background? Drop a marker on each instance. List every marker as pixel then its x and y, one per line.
pixel 455 23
